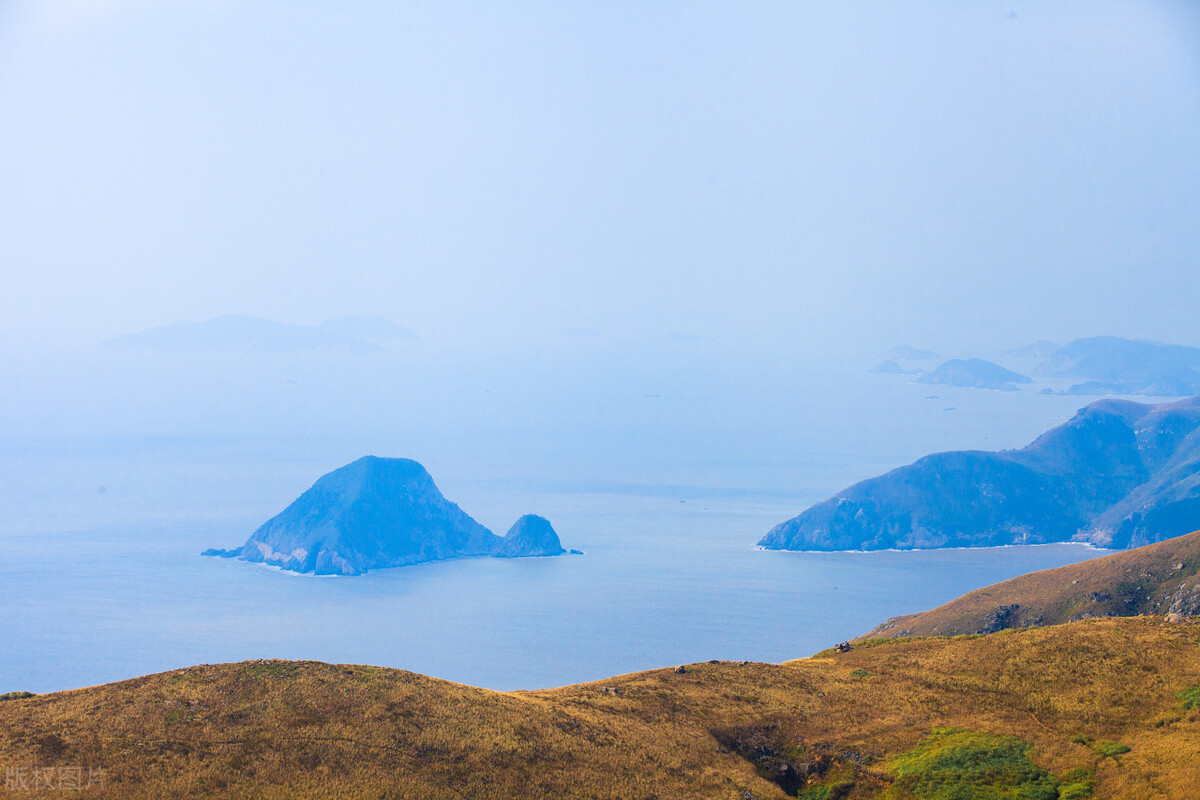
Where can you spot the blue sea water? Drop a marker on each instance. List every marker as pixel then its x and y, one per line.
pixel 664 579
pixel 666 492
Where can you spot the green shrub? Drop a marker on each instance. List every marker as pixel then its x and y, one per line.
pixel 1109 749
pixel 952 764
pixel 833 791
pixel 1075 791
pixel 1190 698
pixel 860 673
pixel 16 695
pixel 1076 783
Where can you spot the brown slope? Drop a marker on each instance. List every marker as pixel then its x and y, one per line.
pixel 1158 579
pixel 719 730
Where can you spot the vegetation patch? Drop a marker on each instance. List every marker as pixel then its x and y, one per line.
pixel 832 792
pixel 952 764
pixel 1076 784
pixel 16 695
pixel 860 673
pixel 1188 698
pixel 1109 749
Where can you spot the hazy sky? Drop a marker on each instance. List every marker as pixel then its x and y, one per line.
pixel 792 175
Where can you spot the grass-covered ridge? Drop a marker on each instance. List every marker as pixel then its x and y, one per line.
pixel 816 728
pixel 1158 579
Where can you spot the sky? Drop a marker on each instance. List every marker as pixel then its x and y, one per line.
pixel 792 176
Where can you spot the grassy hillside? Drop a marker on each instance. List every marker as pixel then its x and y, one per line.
pixel 1158 579
pixel 1097 708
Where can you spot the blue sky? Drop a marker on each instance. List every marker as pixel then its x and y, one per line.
pixel 787 175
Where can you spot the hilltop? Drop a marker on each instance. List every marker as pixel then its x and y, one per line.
pixel 1118 474
pixel 1158 579
pixel 1053 711
pixel 382 512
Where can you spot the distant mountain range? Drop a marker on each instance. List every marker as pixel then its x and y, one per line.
pixel 228 334
pixel 382 512
pixel 1118 474
pixel 1039 349
pixel 1114 365
pixel 1109 365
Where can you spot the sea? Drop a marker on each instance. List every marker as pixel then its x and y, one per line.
pixel 118 473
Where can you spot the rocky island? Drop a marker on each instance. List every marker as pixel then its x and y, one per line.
pixel 974 373
pixel 1118 474
pixel 382 512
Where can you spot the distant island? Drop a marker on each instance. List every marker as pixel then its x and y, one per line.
pixel 1039 349
pixel 1114 365
pixel 974 373
pixel 231 333
pixel 382 512
pixel 1118 474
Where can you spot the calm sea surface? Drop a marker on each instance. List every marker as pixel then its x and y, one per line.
pixel 100 535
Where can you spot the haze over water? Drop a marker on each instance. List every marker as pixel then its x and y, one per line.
pixel 650 251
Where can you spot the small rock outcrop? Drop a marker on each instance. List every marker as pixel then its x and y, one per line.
pixel 1001 618
pixel 1186 599
pixel 531 535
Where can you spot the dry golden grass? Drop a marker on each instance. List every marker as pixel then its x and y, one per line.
pixel 303 729
pixel 1134 582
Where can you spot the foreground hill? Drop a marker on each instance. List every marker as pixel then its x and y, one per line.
pixel 1118 474
pixel 382 512
pixel 1159 579
pixel 1045 713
